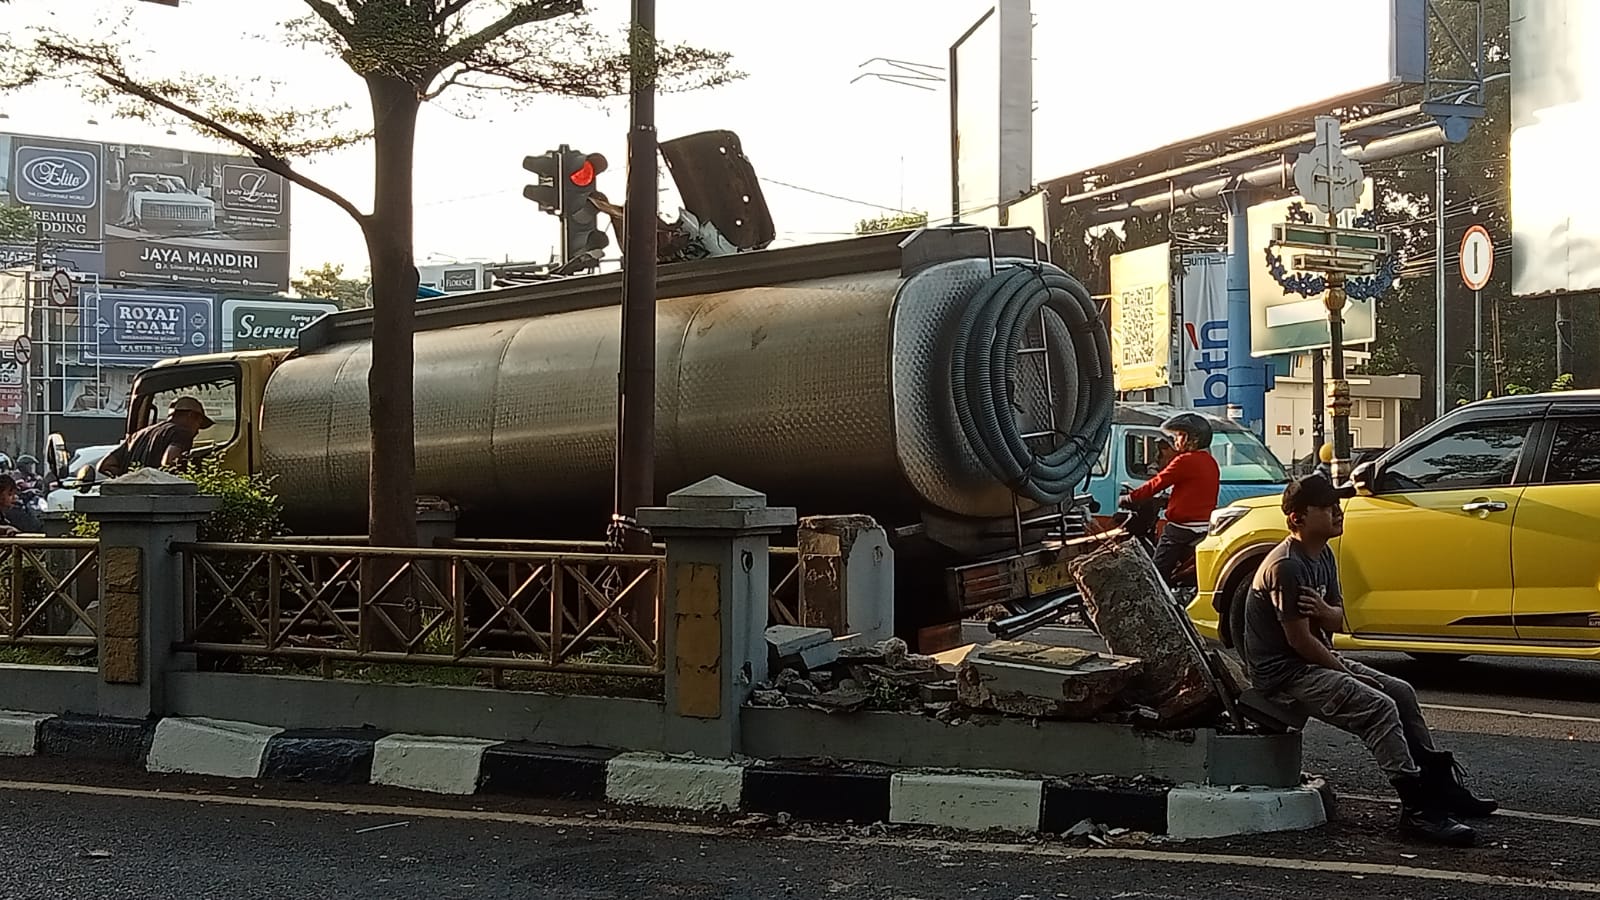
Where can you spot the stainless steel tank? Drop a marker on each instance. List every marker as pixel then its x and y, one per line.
pixel 831 394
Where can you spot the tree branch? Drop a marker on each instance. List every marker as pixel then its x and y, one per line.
pixel 264 157
pixel 451 8
pixel 330 14
pixel 520 15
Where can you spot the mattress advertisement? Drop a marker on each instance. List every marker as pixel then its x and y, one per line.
pixel 148 214
pixel 140 327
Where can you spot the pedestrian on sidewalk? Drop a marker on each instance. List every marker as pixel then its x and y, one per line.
pixel 1293 608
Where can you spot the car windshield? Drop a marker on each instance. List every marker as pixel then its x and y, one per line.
pixel 1245 460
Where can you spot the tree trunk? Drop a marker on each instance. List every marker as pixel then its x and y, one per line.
pixel 391 509
pixel 390 620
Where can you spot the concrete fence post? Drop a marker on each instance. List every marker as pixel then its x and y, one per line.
pixel 846 576
pixel 713 609
pixel 141 516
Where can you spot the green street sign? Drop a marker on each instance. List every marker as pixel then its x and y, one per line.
pixel 1319 237
pixel 267 324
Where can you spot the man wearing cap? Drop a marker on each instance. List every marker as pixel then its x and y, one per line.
pixel 1293 608
pixel 162 444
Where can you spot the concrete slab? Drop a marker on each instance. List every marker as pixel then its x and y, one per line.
pixel 19 733
pixel 967 802
pixel 787 640
pixel 1202 811
pixel 209 747
pixel 645 779
pixel 439 765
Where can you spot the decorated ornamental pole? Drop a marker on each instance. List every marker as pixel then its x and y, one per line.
pixel 1338 264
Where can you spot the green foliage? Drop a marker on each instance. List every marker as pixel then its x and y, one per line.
pixel 327 282
pixel 893 222
pixel 250 511
pixel 16 225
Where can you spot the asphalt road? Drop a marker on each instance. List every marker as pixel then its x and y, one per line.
pixel 77 845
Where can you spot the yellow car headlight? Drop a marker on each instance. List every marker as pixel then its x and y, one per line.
pixel 1223 519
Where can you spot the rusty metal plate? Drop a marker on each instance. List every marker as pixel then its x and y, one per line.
pixel 697 592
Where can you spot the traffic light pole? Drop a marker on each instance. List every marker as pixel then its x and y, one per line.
pixel 636 395
pixel 561 207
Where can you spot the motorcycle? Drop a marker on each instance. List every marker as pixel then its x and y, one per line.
pixel 1139 521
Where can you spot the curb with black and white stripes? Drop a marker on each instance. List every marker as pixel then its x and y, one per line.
pixel 972 801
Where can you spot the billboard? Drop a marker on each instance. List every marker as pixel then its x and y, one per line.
pixel 456 278
pixel 1285 323
pixel 104 393
pixel 1141 318
pixel 1555 124
pixel 1142 54
pixel 140 327
pixel 250 324
pixel 13 380
pixel 140 213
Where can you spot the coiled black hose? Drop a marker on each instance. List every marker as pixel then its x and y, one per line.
pixel 983 368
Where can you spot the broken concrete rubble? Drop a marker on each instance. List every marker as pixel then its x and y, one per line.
pixel 798 647
pixel 1027 679
pixel 1132 610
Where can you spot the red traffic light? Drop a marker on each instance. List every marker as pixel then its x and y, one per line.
pixel 593 164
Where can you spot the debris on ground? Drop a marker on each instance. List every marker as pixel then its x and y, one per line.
pixel 1131 608
pixel 1022 678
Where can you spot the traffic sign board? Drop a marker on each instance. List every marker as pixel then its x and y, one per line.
pixel 1477 257
pixel 61 288
pixel 23 348
pixel 1325 176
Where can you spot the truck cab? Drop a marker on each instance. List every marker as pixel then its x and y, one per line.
pixel 230 387
pixel 1131 456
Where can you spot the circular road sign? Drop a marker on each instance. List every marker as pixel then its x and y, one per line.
pixel 1477 257
pixel 23 348
pixel 61 288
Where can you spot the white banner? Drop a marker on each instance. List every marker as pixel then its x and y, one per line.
pixel 1555 123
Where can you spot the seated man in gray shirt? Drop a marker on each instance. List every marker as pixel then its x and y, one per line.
pixel 1293 609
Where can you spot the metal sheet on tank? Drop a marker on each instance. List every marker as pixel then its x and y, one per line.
pixel 780 388
pixel 934 455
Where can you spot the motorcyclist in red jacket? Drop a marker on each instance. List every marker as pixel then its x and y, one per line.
pixel 1195 481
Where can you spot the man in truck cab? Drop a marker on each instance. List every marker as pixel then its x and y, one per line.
pixel 162 444
pixel 1294 607
pixel 1195 479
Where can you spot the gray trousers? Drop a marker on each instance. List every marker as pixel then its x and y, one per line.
pixel 1388 721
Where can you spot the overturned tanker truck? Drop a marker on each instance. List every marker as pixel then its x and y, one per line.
pixel 946 382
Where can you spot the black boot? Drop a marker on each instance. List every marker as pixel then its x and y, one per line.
pixel 1421 816
pixel 1443 776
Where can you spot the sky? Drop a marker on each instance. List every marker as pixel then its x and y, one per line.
pixel 1110 80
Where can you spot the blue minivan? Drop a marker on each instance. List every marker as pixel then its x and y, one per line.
pixel 1248 468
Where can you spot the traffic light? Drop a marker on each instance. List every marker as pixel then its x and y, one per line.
pixel 565 184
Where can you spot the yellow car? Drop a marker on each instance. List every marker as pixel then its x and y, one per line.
pixel 1479 534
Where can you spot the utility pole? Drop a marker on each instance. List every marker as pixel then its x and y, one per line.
pixel 1438 283
pixel 1319 424
pixel 1563 337
pixel 636 389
